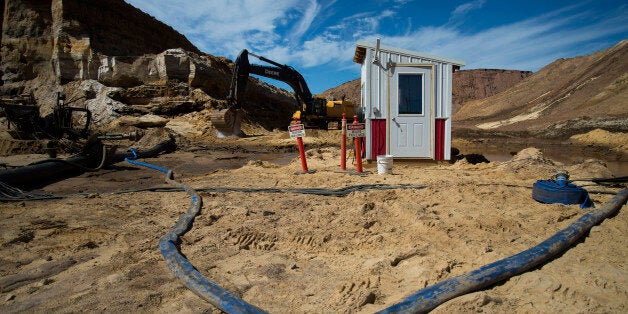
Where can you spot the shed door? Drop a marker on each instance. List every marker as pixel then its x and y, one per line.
pixel 410 112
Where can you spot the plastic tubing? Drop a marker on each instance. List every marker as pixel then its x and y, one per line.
pixel 180 267
pixel 430 297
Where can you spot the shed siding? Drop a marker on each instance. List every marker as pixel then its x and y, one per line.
pixel 376 99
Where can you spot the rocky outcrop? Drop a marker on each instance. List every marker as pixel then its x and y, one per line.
pixel 66 39
pixel 27 40
pixel 125 60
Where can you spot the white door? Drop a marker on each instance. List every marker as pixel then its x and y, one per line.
pixel 410 118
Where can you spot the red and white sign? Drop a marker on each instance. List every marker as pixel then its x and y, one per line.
pixel 356 130
pixel 296 130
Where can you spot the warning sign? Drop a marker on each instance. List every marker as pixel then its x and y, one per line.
pixel 356 130
pixel 296 130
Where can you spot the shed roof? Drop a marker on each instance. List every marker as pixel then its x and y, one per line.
pixel 361 46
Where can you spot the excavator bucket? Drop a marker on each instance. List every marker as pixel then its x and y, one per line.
pixel 227 122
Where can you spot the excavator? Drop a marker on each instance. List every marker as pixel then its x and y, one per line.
pixel 314 111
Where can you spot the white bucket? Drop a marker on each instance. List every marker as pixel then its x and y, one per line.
pixel 384 164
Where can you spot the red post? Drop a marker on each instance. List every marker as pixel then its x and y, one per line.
pixel 301 151
pixel 343 144
pixel 358 148
pixel 302 155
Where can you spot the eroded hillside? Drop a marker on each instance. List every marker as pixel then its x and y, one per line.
pixel 566 97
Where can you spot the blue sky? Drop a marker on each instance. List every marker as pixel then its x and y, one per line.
pixel 318 37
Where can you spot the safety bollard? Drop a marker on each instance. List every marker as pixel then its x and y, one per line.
pixel 302 155
pixel 358 148
pixel 301 146
pixel 343 144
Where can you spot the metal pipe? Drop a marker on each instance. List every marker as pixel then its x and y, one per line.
pixel 376 58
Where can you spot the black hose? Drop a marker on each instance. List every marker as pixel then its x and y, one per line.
pixel 9 193
pixel 606 180
pixel 103 160
pixel 430 297
pixel 50 171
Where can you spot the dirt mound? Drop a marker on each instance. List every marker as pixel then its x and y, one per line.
pixel 349 90
pixel 590 168
pixel 616 140
pixel 529 163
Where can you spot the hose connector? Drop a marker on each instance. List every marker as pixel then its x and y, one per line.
pixel 562 177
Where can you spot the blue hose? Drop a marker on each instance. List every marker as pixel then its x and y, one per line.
pixel 430 297
pixel 143 164
pixel 563 192
pixel 180 266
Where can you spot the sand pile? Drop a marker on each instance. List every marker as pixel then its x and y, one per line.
pixel 616 140
pixel 296 253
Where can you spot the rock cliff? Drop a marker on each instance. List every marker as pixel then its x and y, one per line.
pixel 129 62
pixel 65 40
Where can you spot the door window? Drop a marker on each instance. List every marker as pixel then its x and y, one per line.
pixel 410 94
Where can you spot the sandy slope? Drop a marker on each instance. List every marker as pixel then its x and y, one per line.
pixel 292 253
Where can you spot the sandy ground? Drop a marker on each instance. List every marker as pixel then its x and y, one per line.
pixel 295 253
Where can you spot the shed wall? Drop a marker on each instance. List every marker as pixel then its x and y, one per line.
pixel 375 97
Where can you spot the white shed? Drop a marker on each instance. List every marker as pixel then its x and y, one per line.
pixel 406 98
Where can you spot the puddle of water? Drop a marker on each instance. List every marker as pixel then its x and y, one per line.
pixel 123 176
pixel 199 163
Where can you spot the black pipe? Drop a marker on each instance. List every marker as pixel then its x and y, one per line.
pixel 48 171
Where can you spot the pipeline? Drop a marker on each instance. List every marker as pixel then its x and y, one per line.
pixel 180 267
pixel 430 297
pixel 53 170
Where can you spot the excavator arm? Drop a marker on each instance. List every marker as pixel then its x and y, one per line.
pixel 228 121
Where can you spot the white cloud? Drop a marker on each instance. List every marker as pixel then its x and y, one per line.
pixel 539 46
pixel 335 44
pixel 223 26
pixel 463 9
pixel 305 35
pixel 321 50
pixel 304 23
pixel 527 45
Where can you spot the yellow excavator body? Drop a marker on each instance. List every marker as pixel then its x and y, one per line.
pixel 335 109
pixel 328 111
